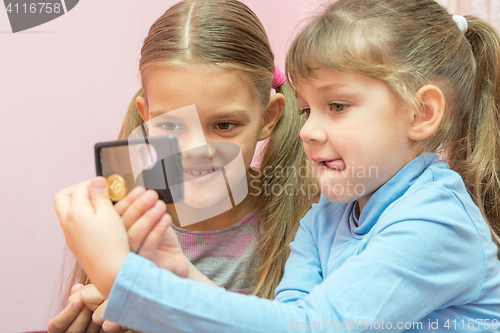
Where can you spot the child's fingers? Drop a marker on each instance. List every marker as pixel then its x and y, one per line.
pixel 150 244
pixel 107 326
pixel 97 316
pixel 74 318
pixel 91 297
pixel 111 327
pixel 80 199
pixel 76 287
pixel 138 232
pixel 139 207
pixel 76 292
pixel 62 199
pixel 93 328
pixel 122 205
pixel 99 195
pixel 81 322
pixel 96 302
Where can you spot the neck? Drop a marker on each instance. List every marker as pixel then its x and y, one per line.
pixel 224 220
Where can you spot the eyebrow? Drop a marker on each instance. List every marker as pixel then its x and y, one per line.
pixel 157 113
pixel 223 114
pixel 230 114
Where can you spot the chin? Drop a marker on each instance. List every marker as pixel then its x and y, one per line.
pixel 340 199
pixel 207 200
pixel 197 197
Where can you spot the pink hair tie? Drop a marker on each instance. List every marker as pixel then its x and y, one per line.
pixel 279 78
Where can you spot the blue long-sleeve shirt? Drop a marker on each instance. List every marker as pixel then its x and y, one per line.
pixel 419 258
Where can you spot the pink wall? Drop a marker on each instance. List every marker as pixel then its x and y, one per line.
pixel 488 10
pixel 64 86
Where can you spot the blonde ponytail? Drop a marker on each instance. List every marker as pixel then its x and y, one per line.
pixel 284 167
pixel 478 159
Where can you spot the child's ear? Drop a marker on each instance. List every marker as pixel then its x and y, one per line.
pixel 142 107
pixel 428 114
pixel 272 115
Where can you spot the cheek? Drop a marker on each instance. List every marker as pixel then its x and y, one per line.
pixel 347 144
pixel 307 150
pixel 360 138
pixel 154 131
pixel 248 155
pixel 247 148
pixel 251 148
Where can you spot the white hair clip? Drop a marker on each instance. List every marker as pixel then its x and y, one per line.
pixel 461 22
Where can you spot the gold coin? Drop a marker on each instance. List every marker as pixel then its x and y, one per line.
pixel 117 188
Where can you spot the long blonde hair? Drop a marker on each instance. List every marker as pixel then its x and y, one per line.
pixel 227 34
pixel 410 43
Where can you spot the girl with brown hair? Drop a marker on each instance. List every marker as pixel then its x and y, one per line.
pixel 216 56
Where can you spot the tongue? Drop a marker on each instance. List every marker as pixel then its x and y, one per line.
pixel 336 164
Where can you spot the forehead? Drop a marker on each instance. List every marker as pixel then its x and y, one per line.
pixel 210 89
pixel 323 79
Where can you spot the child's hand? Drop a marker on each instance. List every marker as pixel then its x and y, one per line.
pixel 76 317
pixel 94 301
pixel 149 232
pixel 94 231
pixel 85 313
pixel 163 248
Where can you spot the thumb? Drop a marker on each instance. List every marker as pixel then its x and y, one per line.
pixel 91 297
pixel 99 195
pixel 76 287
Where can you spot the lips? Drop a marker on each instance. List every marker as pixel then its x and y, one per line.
pixel 198 172
pixel 337 164
pixel 200 175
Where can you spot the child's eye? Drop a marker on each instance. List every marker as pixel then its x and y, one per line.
pixel 224 126
pixel 305 111
pixel 338 107
pixel 169 126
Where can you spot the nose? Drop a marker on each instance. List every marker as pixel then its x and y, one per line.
pixel 194 145
pixel 197 153
pixel 313 131
pixel 192 138
pixel 212 149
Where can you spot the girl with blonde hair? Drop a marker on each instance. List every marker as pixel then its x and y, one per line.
pixel 400 240
pixel 216 56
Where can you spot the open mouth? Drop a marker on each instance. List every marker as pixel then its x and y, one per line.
pixel 200 174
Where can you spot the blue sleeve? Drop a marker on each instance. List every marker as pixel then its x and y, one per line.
pixel 150 299
pixel 409 269
pixel 303 267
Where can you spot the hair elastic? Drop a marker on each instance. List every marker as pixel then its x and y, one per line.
pixel 279 77
pixel 461 22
